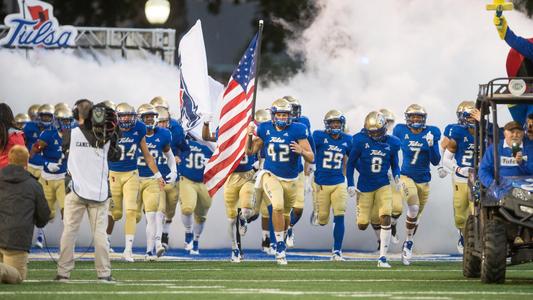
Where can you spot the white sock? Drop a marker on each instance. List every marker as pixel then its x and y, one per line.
pixel 280 235
pixel 150 231
pixel 129 242
pixel 198 229
pixel 159 221
pixel 166 227
pixel 266 234
pixel 187 222
pixel 232 231
pixel 385 240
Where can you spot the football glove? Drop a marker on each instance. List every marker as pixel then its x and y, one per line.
pixel 52 167
pixel 171 177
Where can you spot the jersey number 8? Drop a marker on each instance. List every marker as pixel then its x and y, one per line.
pixel 375 167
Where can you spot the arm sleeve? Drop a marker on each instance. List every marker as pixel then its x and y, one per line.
pixel 520 44
pixel 395 162
pixel 448 161
pixel 42 211
pixel 486 167
pixel 352 160
pixel 171 162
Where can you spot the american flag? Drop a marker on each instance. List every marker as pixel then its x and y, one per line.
pixel 235 115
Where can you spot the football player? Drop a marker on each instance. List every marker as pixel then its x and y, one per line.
pixel 284 142
pixel 124 176
pixel 193 195
pixel 54 163
pixel 32 130
pixel 21 120
pixel 305 170
pixel 332 147
pixel 458 159
pixel 373 153
pixel 32 112
pixel 420 148
pixel 178 145
pixel 443 172
pixel 158 141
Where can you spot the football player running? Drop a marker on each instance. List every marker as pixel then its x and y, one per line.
pixel 124 177
pixel 458 159
pixel 32 131
pixel 304 182
pixel 373 153
pixel 193 195
pixel 420 148
pixel 158 141
pixel 284 142
pixel 332 147
pixel 443 172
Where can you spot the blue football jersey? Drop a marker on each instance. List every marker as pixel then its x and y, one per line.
pixel 279 158
pixel 305 121
pixel 129 145
pixel 447 130
pixel 329 157
pixel 373 160
pixel 417 155
pixel 247 163
pixel 53 153
pixel 156 143
pixel 193 161
pixel 464 154
pixel 31 134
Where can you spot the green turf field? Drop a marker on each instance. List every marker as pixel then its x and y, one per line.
pixel 261 280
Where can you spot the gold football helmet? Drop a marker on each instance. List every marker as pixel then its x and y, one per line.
pixel 389 117
pixel 46 115
pixel 281 106
pixel 375 125
pixel 159 102
pixel 33 111
pixel 148 115
pixel 464 113
pixel 21 119
pixel 330 117
pixel 415 116
pixel 295 105
pixel 109 104
pixel 126 115
pixel 163 117
pixel 64 118
pixel 262 115
pixel 61 105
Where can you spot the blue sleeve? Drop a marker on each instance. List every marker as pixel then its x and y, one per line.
pixel 434 153
pixel 178 140
pixel 353 157
pixel 395 161
pixel 396 131
pixel 261 131
pixel 46 137
pixel 520 44
pixel 486 167
pixel 301 132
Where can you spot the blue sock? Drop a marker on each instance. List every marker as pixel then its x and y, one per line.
pixel 271 225
pixel 338 232
pixel 294 218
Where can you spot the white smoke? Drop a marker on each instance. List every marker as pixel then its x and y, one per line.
pixel 359 56
pixel 366 55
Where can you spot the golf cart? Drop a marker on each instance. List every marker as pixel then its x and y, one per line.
pixel 501 225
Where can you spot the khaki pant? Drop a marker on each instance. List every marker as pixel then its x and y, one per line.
pixel 169 200
pixel 462 207
pixel 328 197
pixel 54 191
pixel 238 192
pixel 282 194
pixel 194 198
pixel 13 265
pixel 149 196
pixel 380 200
pixel 75 208
pixel 35 172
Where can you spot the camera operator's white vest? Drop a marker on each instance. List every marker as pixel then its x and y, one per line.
pixel 88 167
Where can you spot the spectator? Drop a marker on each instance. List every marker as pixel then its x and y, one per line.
pixel 22 205
pixel 9 134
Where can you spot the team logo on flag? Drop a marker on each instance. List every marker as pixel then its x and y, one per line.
pixel 36 26
pixel 189 109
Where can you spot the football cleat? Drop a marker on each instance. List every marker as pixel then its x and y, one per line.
pixel 407 252
pixel 266 245
pixel 195 249
pixel 383 263
pixel 128 256
pixel 281 258
pixel 149 256
pixel 337 256
pixel 460 244
pixel 188 241
pixel 235 256
pixel 290 238
pixel 164 241
pixel 394 238
pixel 40 240
pixel 160 251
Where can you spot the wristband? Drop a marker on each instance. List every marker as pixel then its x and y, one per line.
pixel 158 175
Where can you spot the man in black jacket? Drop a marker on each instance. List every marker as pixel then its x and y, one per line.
pixel 22 206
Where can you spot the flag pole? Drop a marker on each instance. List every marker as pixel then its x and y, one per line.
pixel 257 59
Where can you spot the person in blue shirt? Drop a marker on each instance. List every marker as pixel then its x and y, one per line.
pixel 124 176
pixel 158 141
pixel 332 148
pixel 373 154
pixel 513 156
pixel 43 120
pixel 52 179
pixel 304 183
pixel 284 143
pixel 171 193
pixel 458 158
pixel 420 149
pixel 194 196
pixel 442 171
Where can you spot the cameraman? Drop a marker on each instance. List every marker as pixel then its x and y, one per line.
pixel 91 146
pixel 513 155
